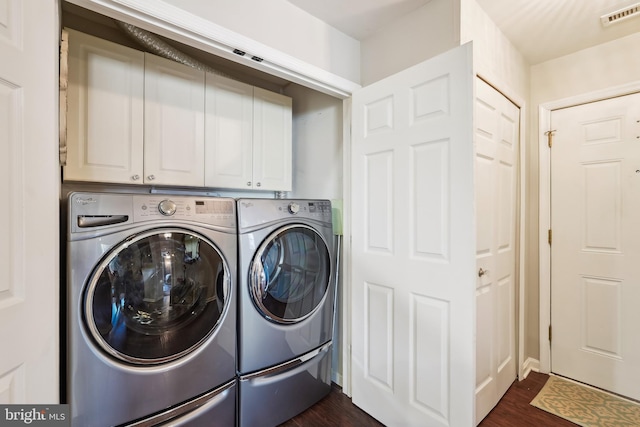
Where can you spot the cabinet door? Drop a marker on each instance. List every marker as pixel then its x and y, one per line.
pixel 272 156
pixel 173 123
pixel 228 133
pixel 105 111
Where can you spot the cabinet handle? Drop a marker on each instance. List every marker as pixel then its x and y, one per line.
pixel 151 177
pixel 135 177
pixel 258 185
pixel 248 183
pixel 482 272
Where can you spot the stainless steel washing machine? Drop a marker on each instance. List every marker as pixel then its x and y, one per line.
pixel 286 307
pixel 151 310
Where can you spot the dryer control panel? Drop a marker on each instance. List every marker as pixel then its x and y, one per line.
pixel 252 212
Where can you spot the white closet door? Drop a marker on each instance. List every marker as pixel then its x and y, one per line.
pixel 29 223
pixel 497 134
pixel 413 245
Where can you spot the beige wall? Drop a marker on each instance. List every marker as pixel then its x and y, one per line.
pixel 409 40
pixel 610 64
pixel 495 58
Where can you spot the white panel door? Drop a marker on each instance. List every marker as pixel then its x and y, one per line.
pixel 228 133
pixel 173 123
pixel 497 130
pixel 595 250
pixel 413 245
pixel 30 177
pixel 105 111
pixel 272 141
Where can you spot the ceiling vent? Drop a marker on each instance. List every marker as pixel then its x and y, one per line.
pixel 620 15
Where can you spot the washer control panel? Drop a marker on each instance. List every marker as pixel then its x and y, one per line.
pixel 91 212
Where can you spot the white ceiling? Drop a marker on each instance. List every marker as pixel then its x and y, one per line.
pixel 540 29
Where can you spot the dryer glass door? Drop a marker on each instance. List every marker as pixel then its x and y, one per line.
pixel 157 296
pixel 290 274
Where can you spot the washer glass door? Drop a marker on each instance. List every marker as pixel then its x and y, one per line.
pixel 157 296
pixel 290 274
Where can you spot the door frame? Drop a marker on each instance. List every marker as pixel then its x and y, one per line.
pixel 544 208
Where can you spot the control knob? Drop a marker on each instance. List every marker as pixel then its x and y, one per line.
pixel 294 208
pixel 167 207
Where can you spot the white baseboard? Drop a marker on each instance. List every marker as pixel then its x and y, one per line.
pixel 530 364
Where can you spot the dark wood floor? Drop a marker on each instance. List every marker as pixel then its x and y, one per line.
pixel 336 410
pixel 514 408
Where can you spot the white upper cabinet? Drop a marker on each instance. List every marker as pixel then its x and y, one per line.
pixel 136 118
pixel 229 133
pixel 248 136
pixel 105 111
pixel 173 123
pixel 272 141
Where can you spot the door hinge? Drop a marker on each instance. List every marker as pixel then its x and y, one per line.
pixel 549 333
pixel 549 135
pixel 549 236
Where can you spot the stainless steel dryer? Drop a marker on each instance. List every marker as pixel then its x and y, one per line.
pixel 286 305
pixel 151 310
